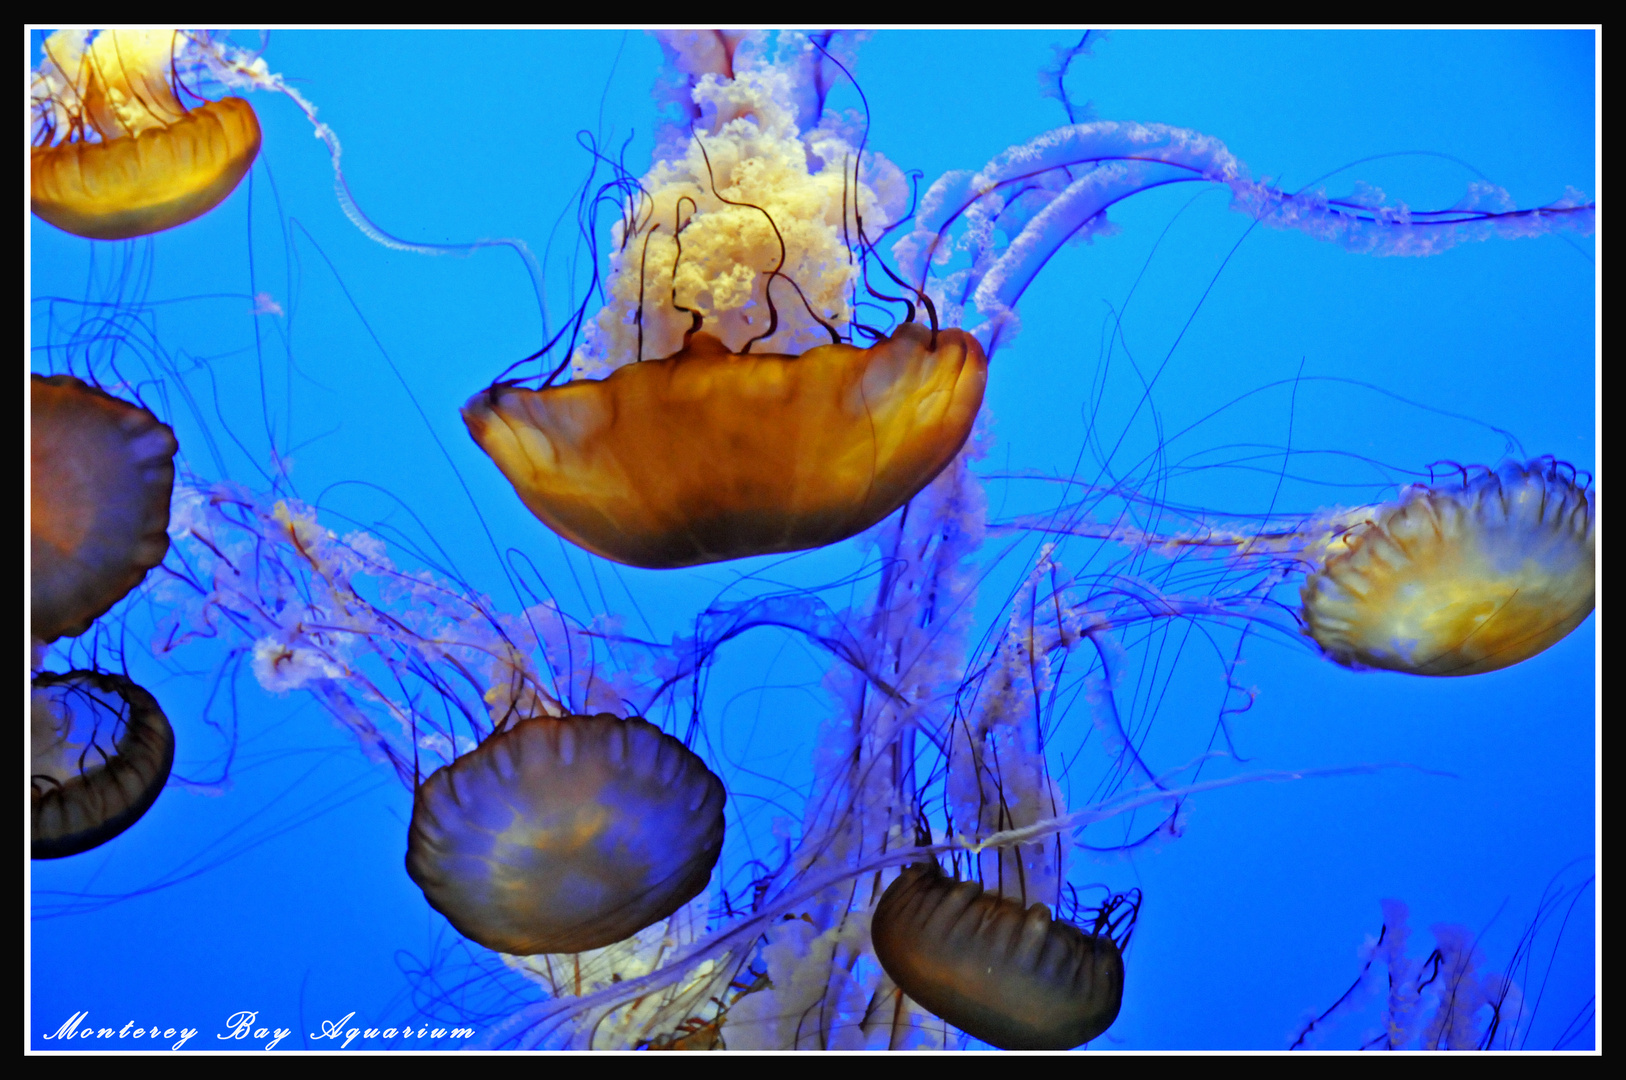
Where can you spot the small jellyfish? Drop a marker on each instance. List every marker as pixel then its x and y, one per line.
pixel 102 750
pixel 1008 975
pixel 116 154
pixel 562 834
pixel 710 455
pixel 102 473
pixel 1461 578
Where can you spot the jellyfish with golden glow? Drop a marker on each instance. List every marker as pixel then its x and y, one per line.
pixel 1459 578
pixel 740 251
pixel 709 455
pixel 102 470
pixel 102 750
pixel 116 151
pixel 1010 976
pixel 1451 578
pixel 562 834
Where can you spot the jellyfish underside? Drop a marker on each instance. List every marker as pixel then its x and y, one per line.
pixel 562 834
pixel 1462 580
pixel 709 455
pixel 88 783
pixel 102 472
pixel 155 163
pixel 140 184
pixel 1008 975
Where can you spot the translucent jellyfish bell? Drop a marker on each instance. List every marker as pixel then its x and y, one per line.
pixel 1008 975
pixel 752 229
pixel 102 750
pixel 710 455
pixel 102 474
pixel 562 834
pixel 116 152
pixel 1461 578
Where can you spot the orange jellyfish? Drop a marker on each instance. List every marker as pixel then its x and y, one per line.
pixel 1461 578
pixel 102 750
pixel 1008 975
pixel 710 455
pixel 102 473
pixel 562 834
pixel 116 154
pixel 752 436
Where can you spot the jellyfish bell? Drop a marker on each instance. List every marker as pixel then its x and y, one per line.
pixel 1460 578
pixel 1008 975
pixel 562 834
pixel 102 750
pixel 981 953
pixel 710 455
pixel 102 473
pixel 736 259
pixel 117 154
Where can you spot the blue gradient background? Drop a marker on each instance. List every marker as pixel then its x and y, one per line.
pixel 282 891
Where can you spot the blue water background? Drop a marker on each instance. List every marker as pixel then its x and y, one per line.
pixel 282 891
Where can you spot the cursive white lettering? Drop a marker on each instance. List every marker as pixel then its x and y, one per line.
pixel 70 1030
pixel 333 1029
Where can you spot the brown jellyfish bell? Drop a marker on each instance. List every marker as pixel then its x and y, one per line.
pixel 102 750
pixel 565 833
pixel 1459 578
pixel 710 455
pixel 1006 974
pixel 117 154
pixel 715 451
pixel 102 473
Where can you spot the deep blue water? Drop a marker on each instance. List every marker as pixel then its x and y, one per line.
pixel 281 890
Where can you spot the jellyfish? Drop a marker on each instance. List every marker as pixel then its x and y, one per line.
pixel 546 832
pixel 563 834
pixel 708 455
pixel 1011 977
pixel 718 452
pixel 1459 578
pixel 102 750
pixel 766 719
pixel 101 473
pixel 116 151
